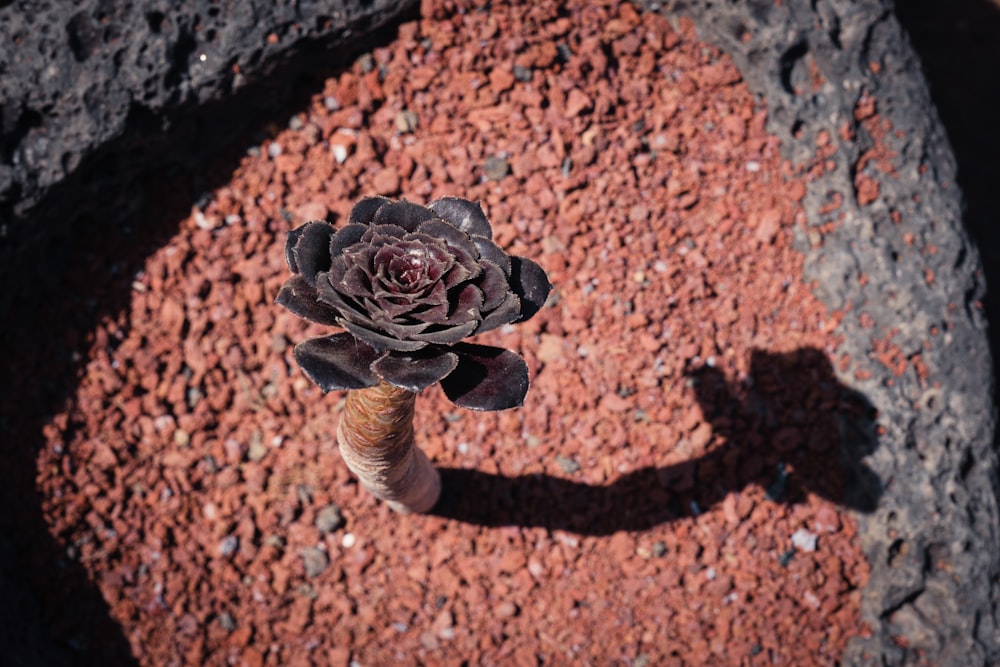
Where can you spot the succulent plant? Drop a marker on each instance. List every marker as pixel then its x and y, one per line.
pixel 409 284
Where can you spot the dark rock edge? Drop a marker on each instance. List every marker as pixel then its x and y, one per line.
pixel 933 542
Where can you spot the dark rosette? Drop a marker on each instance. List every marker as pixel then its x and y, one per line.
pixel 409 283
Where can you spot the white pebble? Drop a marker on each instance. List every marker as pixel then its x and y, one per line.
pixel 202 221
pixel 348 540
pixel 804 540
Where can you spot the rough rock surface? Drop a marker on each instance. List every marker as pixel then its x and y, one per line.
pixel 75 79
pixel 99 102
pixel 885 244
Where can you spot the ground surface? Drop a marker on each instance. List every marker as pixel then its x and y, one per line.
pixel 668 494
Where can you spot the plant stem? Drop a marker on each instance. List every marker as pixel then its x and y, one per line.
pixel 376 441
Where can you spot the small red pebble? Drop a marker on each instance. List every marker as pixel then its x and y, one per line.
pixel 826 520
pixel 386 181
pixel 577 102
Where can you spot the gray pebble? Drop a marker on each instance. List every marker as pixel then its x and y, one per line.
pixel 522 73
pixel 227 621
pixel 567 464
pixel 229 545
pixel 315 561
pixel 329 519
pixel 495 168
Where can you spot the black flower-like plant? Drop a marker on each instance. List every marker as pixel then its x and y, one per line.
pixel 409 283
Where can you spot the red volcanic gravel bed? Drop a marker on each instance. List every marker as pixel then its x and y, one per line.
pixel 667 495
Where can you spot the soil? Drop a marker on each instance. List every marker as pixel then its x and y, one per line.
pixel 672 491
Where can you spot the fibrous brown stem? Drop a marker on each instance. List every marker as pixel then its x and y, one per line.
pixel 376 441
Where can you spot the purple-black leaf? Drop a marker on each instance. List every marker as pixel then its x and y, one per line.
pixel 393 309
pixel 447 232
pixel 433 307
pixel 466 304
pixel 506 312
pixel 529 282
pixel 448 336
pixel 380 341
pixel 347 304
pixel 457 275
pixel 291 240
pixel 365 210
pixel 298 296
pixel 494 253
pixel 345 237
pixel 487 378
pixel 415 371
pixel 312 250
pixel 355 281
pixel 401 331
pixel 375 231
pixel 494 285
pixel 402 213
pixel 466 255
pixel 464 214
pixel 338 362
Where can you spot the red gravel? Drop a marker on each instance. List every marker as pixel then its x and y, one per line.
pixel 621 516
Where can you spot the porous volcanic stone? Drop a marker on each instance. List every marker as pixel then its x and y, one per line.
pixel 885 244
pixel 78 76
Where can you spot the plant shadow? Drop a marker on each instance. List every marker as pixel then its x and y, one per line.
pixel 792 428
